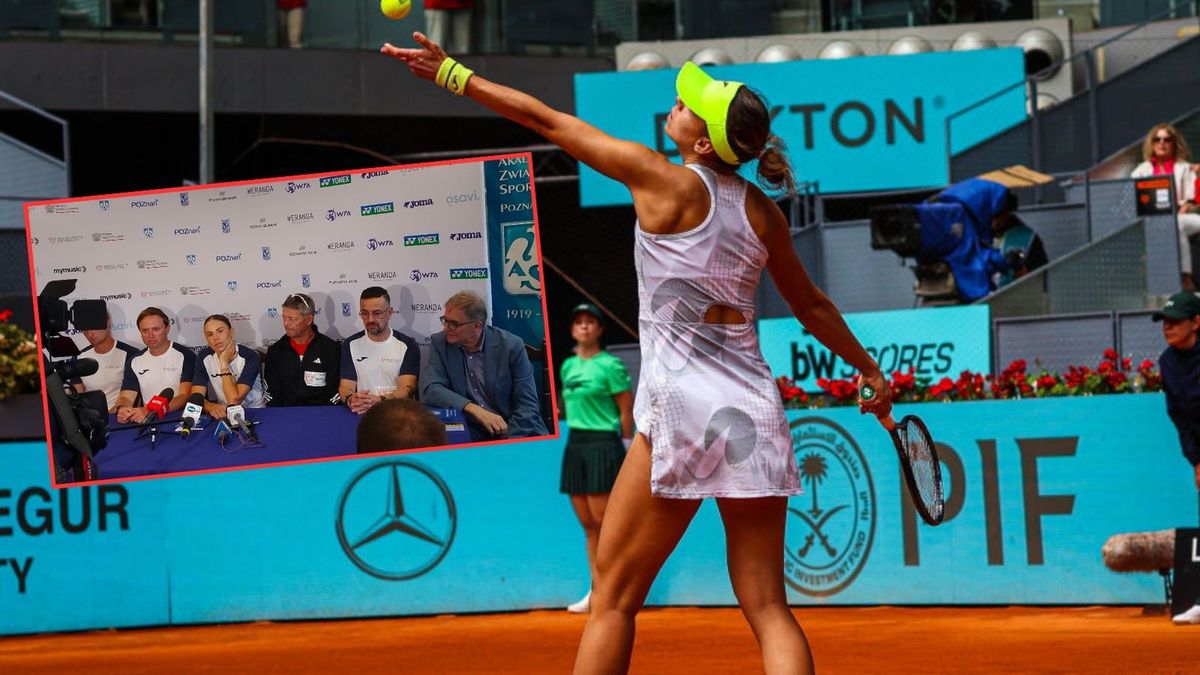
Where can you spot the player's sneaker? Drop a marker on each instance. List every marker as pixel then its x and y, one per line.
pixel 1183 618
pixel 585 605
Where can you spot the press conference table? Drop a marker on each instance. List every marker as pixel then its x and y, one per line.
pixel 287 434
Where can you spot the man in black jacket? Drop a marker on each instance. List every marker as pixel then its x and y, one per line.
pixel 302 367
pixel 1179 365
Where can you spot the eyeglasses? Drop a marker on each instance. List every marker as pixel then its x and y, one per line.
pixel 1164 139
pixel 377 314
pixel 450 324
pixel 303 300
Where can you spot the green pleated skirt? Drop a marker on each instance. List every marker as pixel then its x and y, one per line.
pixel 591 462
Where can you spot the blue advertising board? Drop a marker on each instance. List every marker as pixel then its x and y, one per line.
pixel 935 342
pixel 1034 489
pixel 515 262
pixel 851 125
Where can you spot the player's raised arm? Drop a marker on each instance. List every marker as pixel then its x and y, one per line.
pixel 631 163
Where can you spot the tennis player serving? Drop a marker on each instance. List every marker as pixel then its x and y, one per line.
pixel 709 417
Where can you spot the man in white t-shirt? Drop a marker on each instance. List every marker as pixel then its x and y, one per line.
pixel 379 362
pixel 160 365
pixel 113 356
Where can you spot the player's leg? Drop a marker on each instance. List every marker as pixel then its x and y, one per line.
pixel 638 534
pixel 589 509
pixel 754 548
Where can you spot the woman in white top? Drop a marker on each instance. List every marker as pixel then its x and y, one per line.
pixel 1166 153
pixel 227 373
pixel 709 417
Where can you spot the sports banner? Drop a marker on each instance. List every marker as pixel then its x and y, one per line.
pixel 422 233
pixel 516 270
pixel 850 125
pixel 1034 489
pixel 936 342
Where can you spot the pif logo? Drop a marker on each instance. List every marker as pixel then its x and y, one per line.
pixel 831 527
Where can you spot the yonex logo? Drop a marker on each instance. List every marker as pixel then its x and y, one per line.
pixel 334 181
pixel 376 209
pixel 469 273
pixel 421 239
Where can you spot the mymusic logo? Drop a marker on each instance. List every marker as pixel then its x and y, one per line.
pixel 78 269
pixel 117 296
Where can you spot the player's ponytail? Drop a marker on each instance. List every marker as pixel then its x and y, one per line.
pixel 749 131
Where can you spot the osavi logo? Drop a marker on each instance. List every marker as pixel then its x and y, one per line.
pixel 376 209
pixel 421 239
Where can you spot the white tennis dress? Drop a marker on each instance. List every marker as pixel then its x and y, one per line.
pixel 706 398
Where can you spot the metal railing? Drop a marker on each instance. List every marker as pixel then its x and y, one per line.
pixel 1069 136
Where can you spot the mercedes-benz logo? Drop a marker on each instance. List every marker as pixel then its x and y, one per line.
pixel 396 520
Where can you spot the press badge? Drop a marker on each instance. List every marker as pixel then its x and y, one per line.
pixel 313 378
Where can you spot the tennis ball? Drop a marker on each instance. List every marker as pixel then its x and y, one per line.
pixel 395 9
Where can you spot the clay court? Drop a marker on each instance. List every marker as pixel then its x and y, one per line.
pixel 678 640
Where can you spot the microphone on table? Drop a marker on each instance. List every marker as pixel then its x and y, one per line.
pixel 157 405
pixel 237 418
pixel 191 413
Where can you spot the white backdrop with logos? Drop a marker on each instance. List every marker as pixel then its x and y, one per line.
pixel 239 249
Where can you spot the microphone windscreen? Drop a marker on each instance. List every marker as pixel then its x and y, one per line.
pixel 168 393
pixel 196 399
pixel 1140 551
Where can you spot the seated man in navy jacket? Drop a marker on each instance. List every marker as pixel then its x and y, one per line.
pixel 483 371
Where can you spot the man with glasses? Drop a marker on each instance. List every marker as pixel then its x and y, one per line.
pixel 304 366
pixel 483 371
pixel 379 362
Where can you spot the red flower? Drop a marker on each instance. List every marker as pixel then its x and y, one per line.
pixel 1110 354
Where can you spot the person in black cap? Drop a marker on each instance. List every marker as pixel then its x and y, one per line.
pixel 599 404
pixel 1179 365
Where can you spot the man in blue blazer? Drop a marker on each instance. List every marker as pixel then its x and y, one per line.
pixel 483 371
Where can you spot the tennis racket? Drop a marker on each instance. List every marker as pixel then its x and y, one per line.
pixel 918 460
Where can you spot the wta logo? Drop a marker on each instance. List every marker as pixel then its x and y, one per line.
pixel 419 276
pixel 831 527
pixel 293 187
pixel 374 243
pixel 333 214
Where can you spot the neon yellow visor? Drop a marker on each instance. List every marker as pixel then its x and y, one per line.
pixel 710 100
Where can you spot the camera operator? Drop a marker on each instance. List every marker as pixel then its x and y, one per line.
pixel 78 421
pixel 162 364
pixel 1021 247
pixel 112 357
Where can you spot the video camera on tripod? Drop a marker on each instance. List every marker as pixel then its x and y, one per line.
pixel 78 421
pixel 950 236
